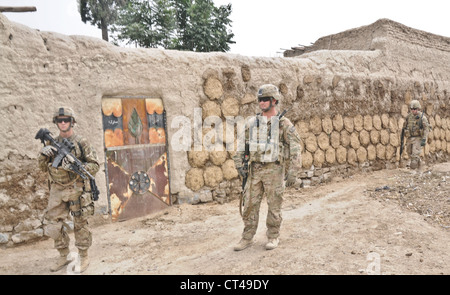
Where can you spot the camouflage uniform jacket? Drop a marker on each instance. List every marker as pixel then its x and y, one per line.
pixel 416 125
pixel 83 151
pixel 279 143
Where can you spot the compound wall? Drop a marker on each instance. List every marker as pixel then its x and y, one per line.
pixel 346 104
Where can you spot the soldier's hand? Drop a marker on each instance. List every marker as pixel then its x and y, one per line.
pixel 242 172
pixel 291 178
pixel 48 151
pixel 423 142
pixel 66 164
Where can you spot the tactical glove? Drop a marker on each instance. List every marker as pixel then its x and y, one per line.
pixel 48 151
pixel 66 163
pixel 423 142
pixel 291 178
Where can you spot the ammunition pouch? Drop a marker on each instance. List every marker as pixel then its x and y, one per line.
pixel 407 133
pixel 82 207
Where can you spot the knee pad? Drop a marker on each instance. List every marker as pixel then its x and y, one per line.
pixel 83 238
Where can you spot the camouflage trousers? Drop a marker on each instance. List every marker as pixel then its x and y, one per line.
pixel 413 149
pixel 264 179
pixel 62 201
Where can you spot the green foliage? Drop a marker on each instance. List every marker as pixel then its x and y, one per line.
pixel 100 13
pixel 146 23
pixel 194 25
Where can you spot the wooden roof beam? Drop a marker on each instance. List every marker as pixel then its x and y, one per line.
pixel 17 9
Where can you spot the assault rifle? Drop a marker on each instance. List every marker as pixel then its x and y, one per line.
pixel 244 179
pixel 402 138
pixel 64 150
pixel 245 164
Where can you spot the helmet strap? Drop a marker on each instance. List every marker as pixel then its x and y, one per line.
pixel 68 129
pixel 270 106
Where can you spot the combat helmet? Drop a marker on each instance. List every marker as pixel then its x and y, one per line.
pixel 269 90
pixel 415 104
pixel 64 111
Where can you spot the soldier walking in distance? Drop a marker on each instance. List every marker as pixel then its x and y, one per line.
pixel 69 193
pixel 416 129
pixel 268 153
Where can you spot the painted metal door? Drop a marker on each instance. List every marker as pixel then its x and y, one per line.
pixel 137 166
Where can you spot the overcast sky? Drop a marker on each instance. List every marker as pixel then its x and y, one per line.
pixel 265 27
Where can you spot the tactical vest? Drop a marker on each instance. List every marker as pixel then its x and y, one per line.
pixel 414 125
pixel 266 142
pixel 60 175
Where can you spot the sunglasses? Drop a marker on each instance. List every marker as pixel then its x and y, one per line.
pixel 264 99
pixel 414 109
pixel 62 120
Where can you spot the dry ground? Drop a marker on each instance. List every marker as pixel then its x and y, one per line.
pixel 383 222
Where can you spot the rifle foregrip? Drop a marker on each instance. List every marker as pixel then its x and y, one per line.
pixel 94 189
pixel 57 160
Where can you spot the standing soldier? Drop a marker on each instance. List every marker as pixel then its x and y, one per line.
pixel 416 129
pixel 268 152
pixel 69 193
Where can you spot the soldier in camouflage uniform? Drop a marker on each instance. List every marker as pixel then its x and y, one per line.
pixel 416 128
pixel 69 193
pixel 277 143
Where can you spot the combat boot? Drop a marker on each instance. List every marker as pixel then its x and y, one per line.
pixel 422 168
pixel 84 260
pixel 243 243
pixel 61 261
pixel 272 244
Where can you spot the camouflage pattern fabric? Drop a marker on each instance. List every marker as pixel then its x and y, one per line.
pixel 413 149
pixel 417 129
pixel 66 188
pixel 413 125
pixel 57 213
pixel 267 174
pixel 268 179
pixel 86 155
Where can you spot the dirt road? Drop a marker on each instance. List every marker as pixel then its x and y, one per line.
pixel 383 222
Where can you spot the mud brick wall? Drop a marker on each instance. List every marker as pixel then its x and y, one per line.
pixel 347 105
pixel 334 142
